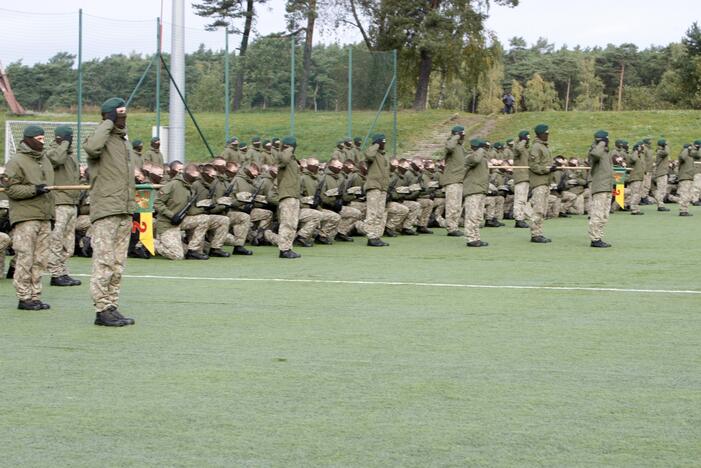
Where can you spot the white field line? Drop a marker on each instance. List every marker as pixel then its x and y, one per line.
pixel 403 283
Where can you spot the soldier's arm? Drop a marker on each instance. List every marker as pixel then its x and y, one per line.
pixel 17 188
pixel 58 154
pixel 473 159
pixel 95 143
pixel 161 202
pixel 452 143
pixel 285 157
pixel 598 151
pixel 371 153
pixel 536 163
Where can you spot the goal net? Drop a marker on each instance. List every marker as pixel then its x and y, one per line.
pixel 14 130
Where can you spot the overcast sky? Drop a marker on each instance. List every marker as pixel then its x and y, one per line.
pixel 52 25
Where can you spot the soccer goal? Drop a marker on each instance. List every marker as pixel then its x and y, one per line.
pixel 14 130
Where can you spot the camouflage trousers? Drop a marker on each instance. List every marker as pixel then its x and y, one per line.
pixel 520 200
pixel 494 208
pixel 661 191
pixel 30 240
pixel 636 190
pixel 288 214
pixel 360 206
pixel 5 242
pixel 169 244
pixel 439 209
pixel 110 242
pixel 412 218
pixel 308 223
pixel 426 207
pixel 538 209
pixel 577 206
pixel 696 196
pixel 217 229
pixel 328 223
pixel 685 195
pixel 239 227
pixel 349 216
pixel 397 214
pixel 474 214
pixel 509 204
pixel 599 214
pixel 587 199
pixel 82 225
pixel 453 206
pixel 554 204
pixel 62 241
pixel 374 225
pixel 261 218
pixel 647 184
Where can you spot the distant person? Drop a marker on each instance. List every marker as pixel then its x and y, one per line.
pixel 509 100
pixel 154 155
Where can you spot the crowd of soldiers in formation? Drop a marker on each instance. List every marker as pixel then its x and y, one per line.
pixel 263 194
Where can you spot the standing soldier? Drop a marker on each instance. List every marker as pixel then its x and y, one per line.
pixel 635 160
pixel 476 184
pixel 601 175
pixel 376 185
pixel 338 152
pixel 661 173
pixel 540 165
pixel 66 172
pixel 288 186
pixel 29 173
pixel 137 148
pixel 696 197
pixel 452 179
pixel 357 152
pixel 111 206
pixel 231 152
pixel 5 240
pixel 154 155
pixel 649 158
pixel 521 180
pixel 686 179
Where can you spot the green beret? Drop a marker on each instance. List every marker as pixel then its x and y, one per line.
pixel 601 134
pixel 686 145
pixel 619 142
pixel 136 143
pixel 498 144
pixel 243 145
pixel 112 104
pixel 339 143
pixel 646 141
pixel 266 142
pixel 274 139
pixel 255 139
pixel 624 142
pixel 458 129
pixel 661 142
pixel 63 131
pixel 697 142
pixel 523 134
pixel 476 142
pixel 347 140
pixel 289 141
pixel 509 141
pixel 155 139
pixel 378 137
pixel 357 140
pixel 33 131
pixel 541 129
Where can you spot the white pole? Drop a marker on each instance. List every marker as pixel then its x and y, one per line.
pixel 176 130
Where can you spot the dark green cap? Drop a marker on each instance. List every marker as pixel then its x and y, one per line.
pixel 601 134
pixel 255 139
pixel 155 139
pixel 541 129
pixel 661 142
pixel 136 143
pixel 357 140
pixel 63 131
pixel 686 145
pixel 266 142
pixel 523 134
pixel 339 143
pixel 458 129
pixel 243 145
pixel 378 137
pixel 697 142
pixel 646 141
pixel 112 104
pixel 476 142
pixel 624 142
pixel 619 142
pixel 289 141
pixel 509 141
pixel 33 131
pixel 498 145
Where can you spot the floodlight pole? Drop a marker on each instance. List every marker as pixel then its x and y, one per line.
pixel 350 91
pixel 226 83
pixel 292 86
pixel 80 80
pixel 158 76
pixel 394 102
pixel 176 107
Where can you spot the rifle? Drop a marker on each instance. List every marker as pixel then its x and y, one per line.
pixel 338 206
pixel 391 188
pixel 317 194
pixel 180 215
pixel 248 207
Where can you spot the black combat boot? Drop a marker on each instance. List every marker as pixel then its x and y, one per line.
pixel 377 243
pixel 409 232
pixel 685 213
pixel 599 243
pixel 323 240
pixel 193 255
pixel 126 320
pixel 241 250
pixel 108 318
pixel 662 208
pixel 477 243
pixel 455 234
pixel 636 213
pixel 29 305
pixel 64 280
pixel 302 242
pixel 390 233
pixel 521 224
pixel 563 215
pixel 540 240
pixel 10 272
pixel 289 254
pixel 423 230
pixel 343 238
pixel 218 253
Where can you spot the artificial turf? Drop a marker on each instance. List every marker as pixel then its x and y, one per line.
pixel 266 373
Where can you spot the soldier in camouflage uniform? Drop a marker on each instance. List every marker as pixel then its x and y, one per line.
pixel 248 193
pixel 333 198
pixel 29 173
pixel 452 179
pixel 154 155
pixel 635 160
pixel 686 179
pixel 540 165
pixel 661 173
pixel 600 186
pixel 421 178
pixel 405 192
pixel 397 215
pixel 312 185
pixel 5 240
pixel 521 179
pixel 288 193
pixel 207 190
pixel 137 149
pixel 696 188
pixel 476 183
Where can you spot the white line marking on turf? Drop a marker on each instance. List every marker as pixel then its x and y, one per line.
pixel 403 283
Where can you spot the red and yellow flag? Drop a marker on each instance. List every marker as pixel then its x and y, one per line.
pixel 619 178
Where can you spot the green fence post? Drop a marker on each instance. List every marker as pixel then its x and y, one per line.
pixel 292 86
pixel 394 102
pixel 350 92
pixel 226 83
pixel 158 77
pixel 141 80
pixel 80 79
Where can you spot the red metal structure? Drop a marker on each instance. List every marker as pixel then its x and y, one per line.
pixel 6 88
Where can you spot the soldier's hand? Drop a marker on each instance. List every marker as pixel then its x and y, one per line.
pixel 176 220
pixel 41 189
pixel 553 168
pixel 111 115
pixel 69 139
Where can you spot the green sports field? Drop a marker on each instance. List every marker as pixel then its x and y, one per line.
pixel 425 353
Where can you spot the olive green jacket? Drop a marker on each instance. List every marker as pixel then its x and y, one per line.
pixel 207 191
pixel 661 162
pixel 288 174
pixel 476 173
pixel 686 165
pixel 136 158
pixel 66 172
pixel 154 157
pixel 111 172
pixel 521 153
pixel 454 172
pixel 636 162
pixel 539 163
pixel 378 169
pixel 601 178
pixel 332 181
pixel 308 184
pixel 231 154
pixel 25 170
pixel 172 197
pixel 649 159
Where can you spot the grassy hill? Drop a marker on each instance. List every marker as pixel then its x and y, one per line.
pixel 571 133
pixel 317 133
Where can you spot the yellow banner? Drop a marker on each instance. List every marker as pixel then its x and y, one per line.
pixel 146 231
pixel 619 194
